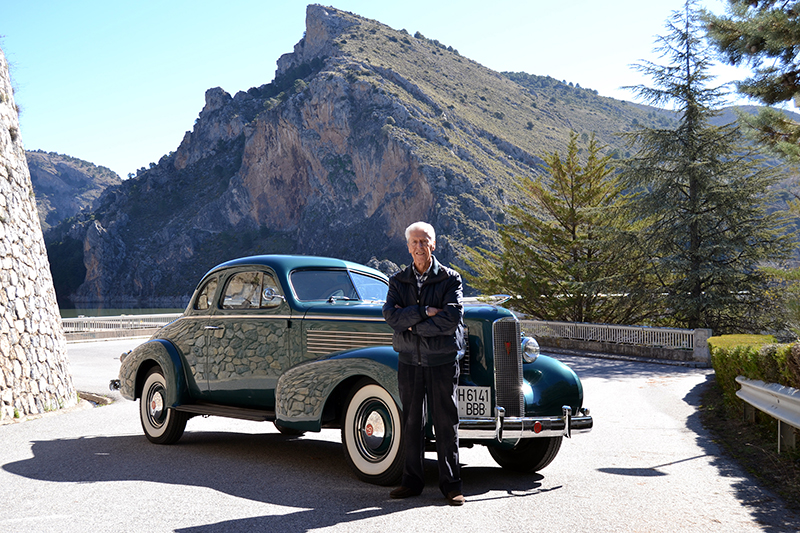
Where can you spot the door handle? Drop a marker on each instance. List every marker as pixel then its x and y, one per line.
pixel 214 327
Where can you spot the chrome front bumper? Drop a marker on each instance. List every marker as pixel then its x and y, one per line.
pixel 502 427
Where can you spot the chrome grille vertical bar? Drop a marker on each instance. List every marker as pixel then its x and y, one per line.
pixel 508 366
pixel 465 361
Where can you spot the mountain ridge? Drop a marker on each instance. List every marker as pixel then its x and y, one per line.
pixel 65 185
pixel 363 130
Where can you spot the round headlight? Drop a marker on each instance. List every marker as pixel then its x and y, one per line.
pixel 530 349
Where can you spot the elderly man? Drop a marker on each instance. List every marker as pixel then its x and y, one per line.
pixel 423 307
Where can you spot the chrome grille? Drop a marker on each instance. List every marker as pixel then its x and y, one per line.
pixel 328 341
pixel 465 360
pixel 508 366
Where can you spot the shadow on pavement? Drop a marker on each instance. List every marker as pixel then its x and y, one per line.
pixel 767 508
pixel 310 476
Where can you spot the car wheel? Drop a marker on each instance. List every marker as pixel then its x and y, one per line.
pixel 529 455
pixel 161 424
pixel 371 434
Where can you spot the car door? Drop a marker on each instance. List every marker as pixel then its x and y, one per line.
pixel 189 334
pixel 247 346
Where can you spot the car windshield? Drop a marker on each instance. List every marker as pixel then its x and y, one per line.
pixel 332 285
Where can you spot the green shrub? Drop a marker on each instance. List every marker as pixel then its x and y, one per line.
pixel 731 341
pixel 768 362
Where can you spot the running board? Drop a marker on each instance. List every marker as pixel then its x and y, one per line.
pixel 242 413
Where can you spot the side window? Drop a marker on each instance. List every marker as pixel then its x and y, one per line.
pixel 251 290
pixel 369 288
pixel 243 291
pixel 206 295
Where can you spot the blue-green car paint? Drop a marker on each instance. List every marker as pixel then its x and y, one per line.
pixel 299 361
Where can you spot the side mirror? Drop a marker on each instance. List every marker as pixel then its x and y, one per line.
pixel 272 298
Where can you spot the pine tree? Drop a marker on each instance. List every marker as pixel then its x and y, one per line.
pixel 566 255
pixel 764 34
pixel 700 193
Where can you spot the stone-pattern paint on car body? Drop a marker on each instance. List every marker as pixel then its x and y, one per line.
pixel 303 391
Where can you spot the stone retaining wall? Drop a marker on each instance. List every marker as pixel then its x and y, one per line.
pixel 629 350
pixel 34 371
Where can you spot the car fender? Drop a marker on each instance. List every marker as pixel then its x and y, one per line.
pixel 302 391
pixel 549 385
pixel 135 364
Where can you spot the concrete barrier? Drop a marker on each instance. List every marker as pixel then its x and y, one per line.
pixel 687 346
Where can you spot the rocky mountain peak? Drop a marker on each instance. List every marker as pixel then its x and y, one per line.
pixel 65 185
pixel 364 130
pixel 323 26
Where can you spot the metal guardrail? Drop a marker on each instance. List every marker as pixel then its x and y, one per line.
pixel 639 335
pixel 778 401
pixel 110 323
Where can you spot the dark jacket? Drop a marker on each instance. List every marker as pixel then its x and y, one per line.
pixel 430 341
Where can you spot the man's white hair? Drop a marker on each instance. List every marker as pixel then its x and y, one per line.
pixel 421 226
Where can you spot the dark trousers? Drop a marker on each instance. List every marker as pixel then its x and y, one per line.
pixel 439 385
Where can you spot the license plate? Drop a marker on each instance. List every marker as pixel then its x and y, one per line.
pixel 474 402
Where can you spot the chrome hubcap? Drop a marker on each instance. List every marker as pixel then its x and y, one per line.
pixel 373 430
pixel 155 405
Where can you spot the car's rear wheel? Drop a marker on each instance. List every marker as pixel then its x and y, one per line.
pixel 161 423
pixel 371 434
pixel 529 455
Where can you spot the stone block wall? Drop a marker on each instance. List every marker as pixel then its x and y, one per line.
pixel 34 371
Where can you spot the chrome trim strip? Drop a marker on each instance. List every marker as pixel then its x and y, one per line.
pixel 337 333
pixel 251 317
pixel 348 318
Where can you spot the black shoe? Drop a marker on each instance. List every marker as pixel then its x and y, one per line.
pixel 404 492
pixel 455 498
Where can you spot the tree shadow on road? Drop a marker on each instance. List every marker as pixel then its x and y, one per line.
pixel 306 475
pixel 767 508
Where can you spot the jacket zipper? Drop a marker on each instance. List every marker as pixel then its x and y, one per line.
pixel 419 352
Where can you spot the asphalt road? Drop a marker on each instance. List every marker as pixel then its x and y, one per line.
pixel 648 466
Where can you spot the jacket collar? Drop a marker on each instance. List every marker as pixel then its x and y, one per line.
pixel 408 275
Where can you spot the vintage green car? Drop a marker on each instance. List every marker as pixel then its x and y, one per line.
pixel 301 341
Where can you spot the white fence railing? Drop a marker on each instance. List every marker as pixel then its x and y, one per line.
pixel 109 323
pixel 695 340
pixel 782 403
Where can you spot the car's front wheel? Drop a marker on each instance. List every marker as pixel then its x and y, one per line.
pixel 161 424
pixel 371 434
pixel 529 455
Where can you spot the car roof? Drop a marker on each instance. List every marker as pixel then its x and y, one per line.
pixel 287 263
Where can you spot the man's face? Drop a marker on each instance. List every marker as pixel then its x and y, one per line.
pixel 421 248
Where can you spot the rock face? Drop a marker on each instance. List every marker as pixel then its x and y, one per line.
pixel 65 185
pixel 34 374
pixel 364 130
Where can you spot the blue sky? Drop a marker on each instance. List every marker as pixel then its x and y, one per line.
pixel 118 83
